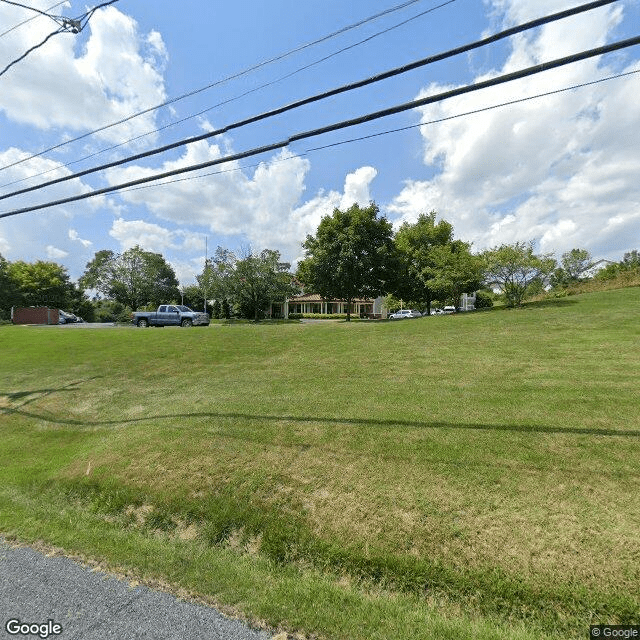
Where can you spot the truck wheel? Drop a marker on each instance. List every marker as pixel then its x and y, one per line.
pixel 187 323
pixel 143 322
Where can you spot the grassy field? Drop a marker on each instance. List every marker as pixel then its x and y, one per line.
pixel 468 476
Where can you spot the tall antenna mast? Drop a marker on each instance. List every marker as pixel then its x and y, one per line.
pixel 206 270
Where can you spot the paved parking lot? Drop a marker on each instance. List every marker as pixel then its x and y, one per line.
pixel 67 600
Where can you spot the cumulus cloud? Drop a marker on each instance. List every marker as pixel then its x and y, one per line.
pixel 73 235
pixel 117 73
pixel 266 208
pixel 149 236
pixel 54 253
pixel 558 169
pixel 49 232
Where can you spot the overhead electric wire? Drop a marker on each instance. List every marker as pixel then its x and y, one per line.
pixel 321 96
pixel 67 26
pixel 56 19
pixel 89 14
pixel 4 33
pixel 37 46
pixel 509 77
pixel 222 80
pixel 234 98
pixel 470 113
pixel 390 131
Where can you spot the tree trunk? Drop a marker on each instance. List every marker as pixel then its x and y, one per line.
pixel 348 309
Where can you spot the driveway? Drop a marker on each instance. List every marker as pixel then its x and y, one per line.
pixel 77 603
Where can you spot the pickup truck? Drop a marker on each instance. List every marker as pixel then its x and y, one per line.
pixel 170 315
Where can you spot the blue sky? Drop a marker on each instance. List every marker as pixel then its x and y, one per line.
pixel 560 170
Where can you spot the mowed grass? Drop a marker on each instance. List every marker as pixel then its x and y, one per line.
pixel 468 476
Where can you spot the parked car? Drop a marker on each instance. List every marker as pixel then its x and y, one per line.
pixel 405 313
pixel 436 312
pixel 67 318
pixel 449 309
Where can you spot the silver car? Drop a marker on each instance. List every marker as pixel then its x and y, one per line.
pixel 405 313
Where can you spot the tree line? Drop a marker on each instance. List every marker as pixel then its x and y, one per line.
pixel 354 253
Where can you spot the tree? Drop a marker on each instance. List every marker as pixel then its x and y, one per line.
pixel 192 296
pixel 514 267
pixel 456 271
pixel 351 256
pixel 133 278
pixel 43 284
pixel 9 290
pixel 226 309
pixel 573 265
pixel 258 280
pixel 630 260
pixel 434 265
pixel 216 281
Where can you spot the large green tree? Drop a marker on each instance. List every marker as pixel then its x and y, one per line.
pixel 258 279
pixel 43 283
pixel 216 280
pixel 352 255
pixel 456 271
pixel 514 268
pixel 573 265
pixel 434 266
pixel 9 290
pixel 134 278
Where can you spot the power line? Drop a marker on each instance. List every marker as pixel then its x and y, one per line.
pixel 472 112
pixel 221 81
pixel 56 19
pixel 509 77
pixel 28 51
pixel 317 97
pixel 234 98
pixel 68 25
pixel 4 33
pixel 386 132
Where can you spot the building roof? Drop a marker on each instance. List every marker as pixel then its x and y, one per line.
pixel 315 297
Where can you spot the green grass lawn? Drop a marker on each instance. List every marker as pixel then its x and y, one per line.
pixel 468 476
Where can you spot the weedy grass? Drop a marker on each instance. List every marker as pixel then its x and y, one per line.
pixel 471 475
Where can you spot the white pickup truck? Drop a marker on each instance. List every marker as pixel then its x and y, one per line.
pixel 170 315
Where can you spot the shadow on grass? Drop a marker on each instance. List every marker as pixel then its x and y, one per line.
pixel 36 394
pixel 368 422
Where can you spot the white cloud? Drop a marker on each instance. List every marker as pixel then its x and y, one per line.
pixel 32 235
pixel 149 236
pixel 265 207
pixel 73 235
pixel 356 187
pixel 556 169
pixel 54 253
pixel 116 74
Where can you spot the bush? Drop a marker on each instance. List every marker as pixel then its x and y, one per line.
pixel 325 316
pixel 484 300
pixel 111 311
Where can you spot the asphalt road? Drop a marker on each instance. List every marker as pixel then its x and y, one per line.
pixel 90 605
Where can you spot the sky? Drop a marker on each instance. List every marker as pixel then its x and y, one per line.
pixel 560 170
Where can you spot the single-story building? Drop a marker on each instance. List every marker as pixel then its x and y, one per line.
pixel 308 303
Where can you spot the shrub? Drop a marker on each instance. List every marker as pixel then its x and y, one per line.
pixel 484 300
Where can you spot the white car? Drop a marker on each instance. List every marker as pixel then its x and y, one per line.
pixel 405 313
pixel 449 310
